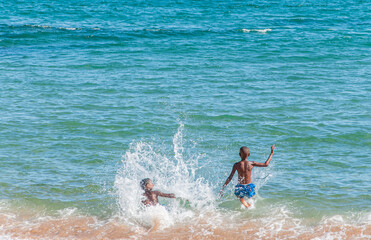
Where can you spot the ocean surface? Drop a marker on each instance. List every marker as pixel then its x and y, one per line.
pixel 97 95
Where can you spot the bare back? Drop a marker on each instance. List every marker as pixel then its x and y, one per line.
pixel 244 169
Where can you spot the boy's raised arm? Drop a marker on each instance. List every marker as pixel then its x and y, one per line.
pixel 228 179
pixel 167 195
pixel 256 164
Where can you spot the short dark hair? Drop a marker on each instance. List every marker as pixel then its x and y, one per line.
pixel 144 183
pixel 245 149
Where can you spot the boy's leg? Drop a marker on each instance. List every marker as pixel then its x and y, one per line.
pixel 244 202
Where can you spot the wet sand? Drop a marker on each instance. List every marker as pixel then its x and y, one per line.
pixel 81 227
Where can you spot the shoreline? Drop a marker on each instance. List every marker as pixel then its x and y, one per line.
pixel 208 226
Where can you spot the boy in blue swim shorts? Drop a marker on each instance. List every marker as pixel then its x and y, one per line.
pixel 245 188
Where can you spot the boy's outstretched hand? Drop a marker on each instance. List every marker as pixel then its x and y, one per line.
pixel 221 193
pixel 272 148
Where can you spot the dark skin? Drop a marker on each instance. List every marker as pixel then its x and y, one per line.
pixel 152 196
pixel 244 169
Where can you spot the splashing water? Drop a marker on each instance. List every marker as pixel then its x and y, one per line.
pixel 170 174
pixel 178 172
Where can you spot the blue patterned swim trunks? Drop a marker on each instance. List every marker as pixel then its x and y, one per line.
pixel 244 190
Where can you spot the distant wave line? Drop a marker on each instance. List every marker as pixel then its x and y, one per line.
pixel 152 30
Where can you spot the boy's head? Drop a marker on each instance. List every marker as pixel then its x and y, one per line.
pixel 146 184
pixel 244 152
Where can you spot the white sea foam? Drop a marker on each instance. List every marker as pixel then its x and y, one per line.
pixel 67 212
pixel 38 26
pixel 61 28
pixel 256 30
pixel 7 237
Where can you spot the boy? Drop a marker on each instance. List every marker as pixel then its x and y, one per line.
pixel 244 169
pixel 152 196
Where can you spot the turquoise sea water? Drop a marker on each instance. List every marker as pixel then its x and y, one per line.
pixel 96 95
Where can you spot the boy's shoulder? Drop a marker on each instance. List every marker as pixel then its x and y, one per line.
pixel 157 192
pixel 242 161
pixel 237 164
